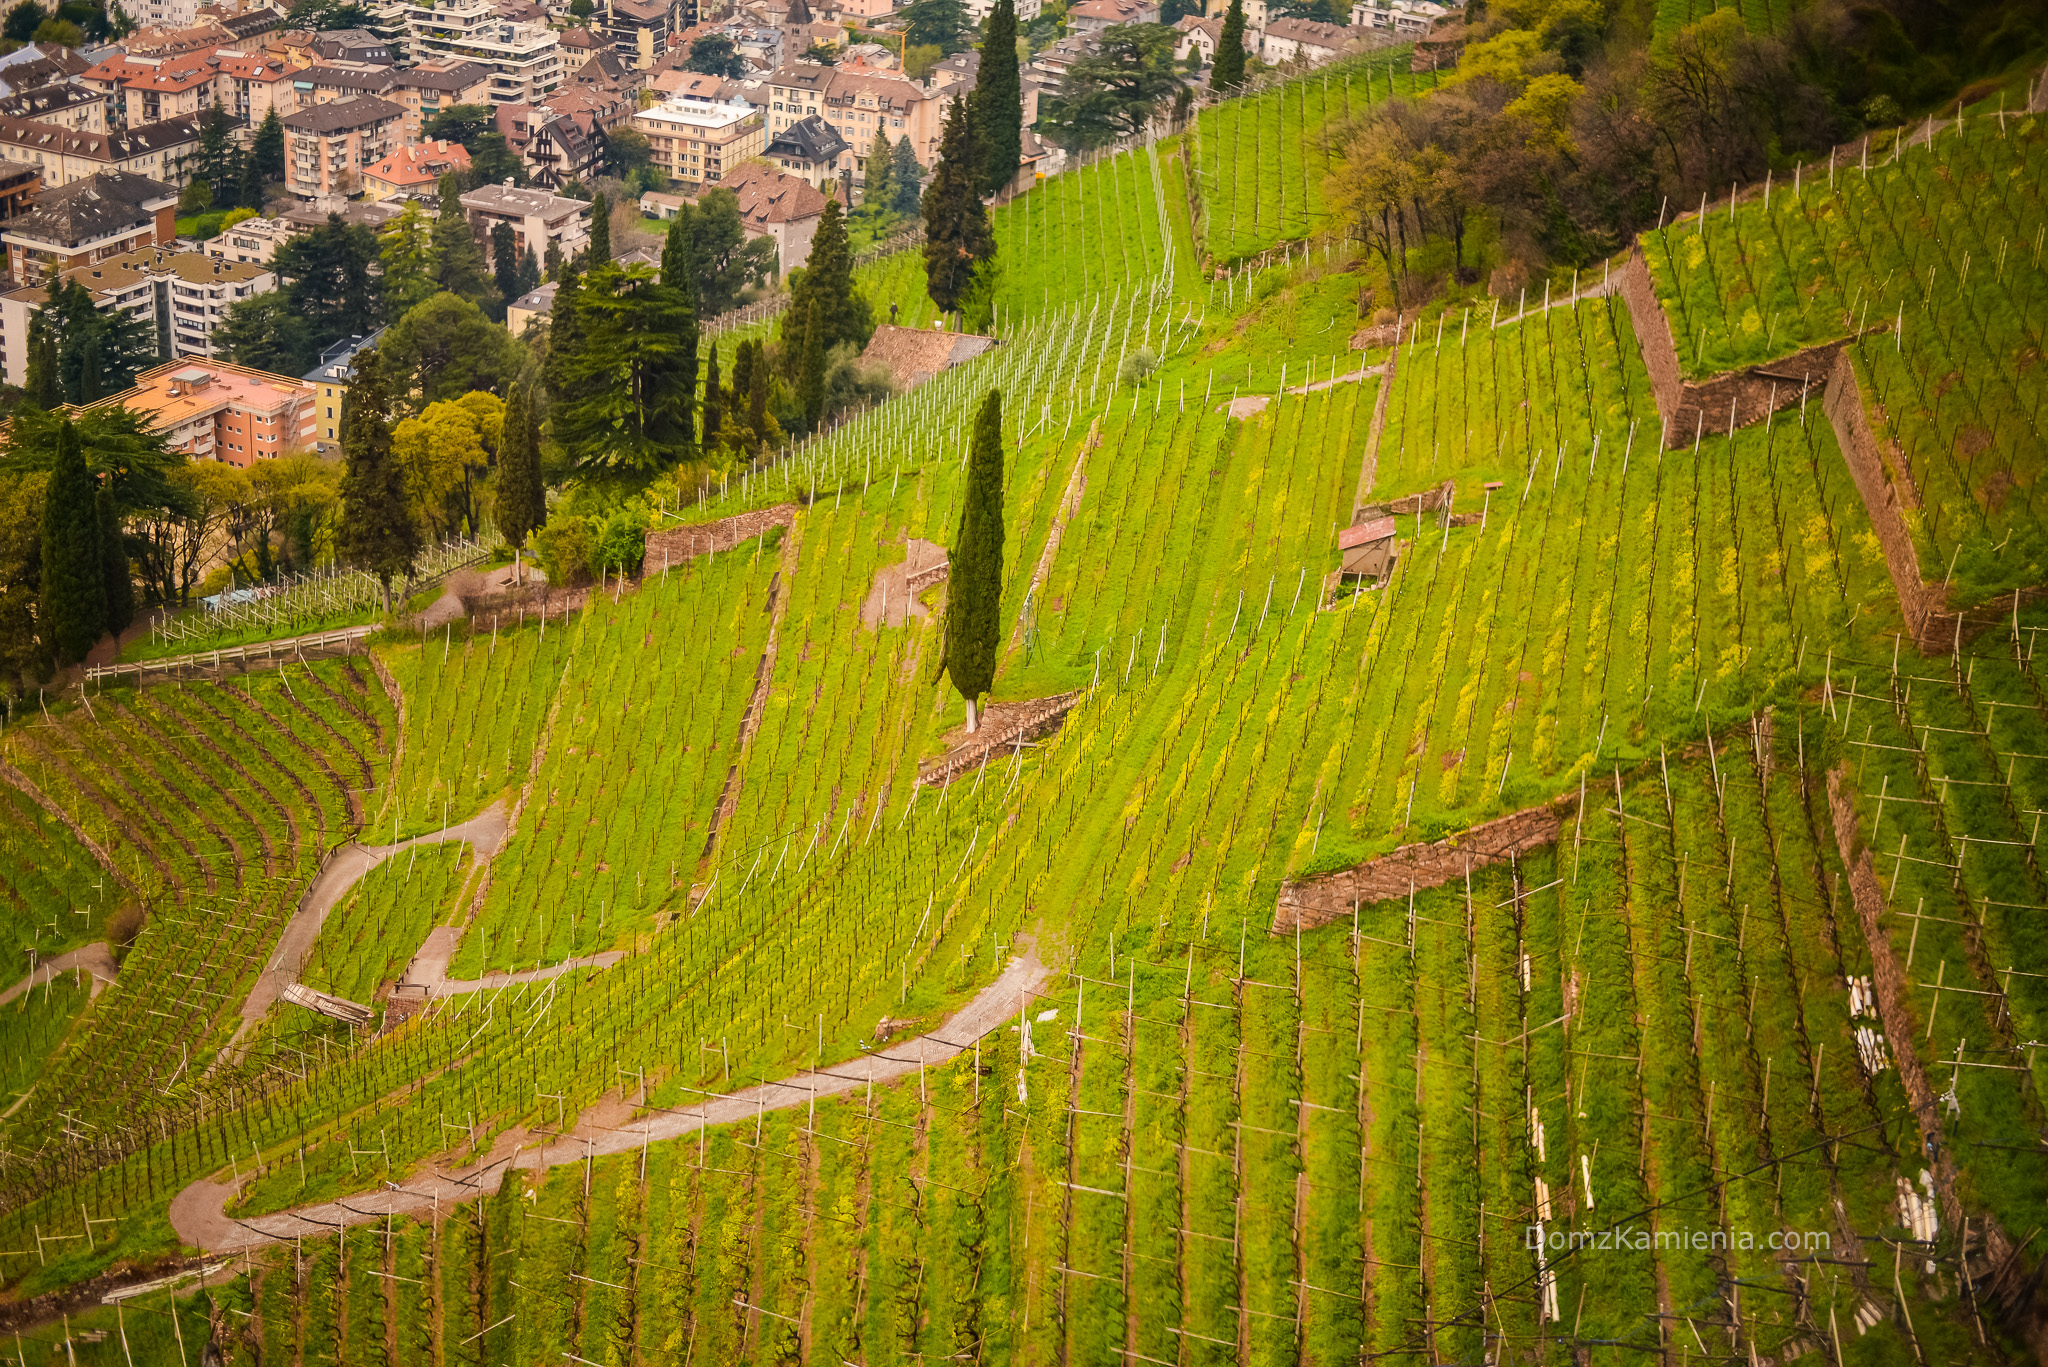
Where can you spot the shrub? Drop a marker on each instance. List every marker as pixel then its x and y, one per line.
pixel 620 541
pixel 1138 366
pixel 124 925
pixel 565 546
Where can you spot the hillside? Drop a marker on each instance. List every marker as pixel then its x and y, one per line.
pixel 775 1019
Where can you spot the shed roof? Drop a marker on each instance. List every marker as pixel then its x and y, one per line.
pixel 1379 529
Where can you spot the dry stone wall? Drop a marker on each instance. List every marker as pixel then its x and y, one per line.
pixel 1312 902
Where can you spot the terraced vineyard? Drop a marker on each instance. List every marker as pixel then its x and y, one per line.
pixel 750 1011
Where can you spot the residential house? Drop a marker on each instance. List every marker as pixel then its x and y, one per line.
pixel 774 205
pixel 62 155
pixel 700 143
pixel 539 220
pixel 425 90
pixel 413 169
pixel 223 412
pixel 88 220
pixel 150 89
pixel 812 150
pixel 1255 12
pixel 603 70
pixel 692 86
pixel 1203 37
pixel 328 146
pixel 535 303
pixel 1308 41
pixel 330 381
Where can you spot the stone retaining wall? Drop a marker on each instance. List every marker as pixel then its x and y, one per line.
pixel 1320 901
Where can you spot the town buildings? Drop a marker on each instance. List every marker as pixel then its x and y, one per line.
pixel 63 155
pixel 425 90
pixel 525 59
pixel 539 220
pixel 413 169
pixel 183 297
pixel 330 381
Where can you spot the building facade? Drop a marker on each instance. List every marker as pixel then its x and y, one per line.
pixel 525 59
pixel 328 147
pixel 87 221
pixel 217 411
pixel 159 151
pixel 698 143
pixel 539 220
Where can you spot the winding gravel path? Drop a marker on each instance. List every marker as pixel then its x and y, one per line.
pixel 198 1213
pixel 97 959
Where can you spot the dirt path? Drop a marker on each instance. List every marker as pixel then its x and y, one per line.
pixel 198 1213
pixel 96 959
pixel 429 968
pixel 486 831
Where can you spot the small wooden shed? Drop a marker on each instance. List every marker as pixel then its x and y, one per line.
pixel 1368 548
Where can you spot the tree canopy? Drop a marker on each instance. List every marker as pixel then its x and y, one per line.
pixel 957 234
pixel 715 54
pixel 1111 92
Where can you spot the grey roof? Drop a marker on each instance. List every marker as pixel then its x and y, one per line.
pixel 356 44
pixel 117 146
pixel 92 208
pixel 49 99
pixel 375 80
pixel 455 78
pixel 810 138
pixel 537 300
pixel 371 213
pixel 357 111
pixel 336 358
pixel 510 199
pixel 252 22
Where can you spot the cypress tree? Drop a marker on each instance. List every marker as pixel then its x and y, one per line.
pixel 906 178
pixel 72 610
pixel 679 276
pixel 957 237
pixel 1228 72
pixel 459 261
pixel 529 273
pixel 520 502
pixel 505 262
pixel 377 531
pixel 117 577
pixel 600 231
pixel 565 338
pixel 826 287
pixel 810 388
pixel 268 152
pixel 45 378
pixel 712 398
pixel 742 390
pixel 998 100
pixel 876 194
pixel 757 392
pixel 974 588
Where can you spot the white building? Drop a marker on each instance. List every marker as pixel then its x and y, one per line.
pixel 698 142
pixel 539 220
pixel 525 59
pixel 1409 17
pixel 183 296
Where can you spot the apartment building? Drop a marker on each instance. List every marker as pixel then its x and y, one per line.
pixel 149 89
pixel 698 143
pixel 63 155
pixel 425 90
pixel 539 220
pixel 330 381
pixel 326 82
pixel 102 216
pixel 249 85
pixel 639 29
pixel 252 241
pixel 525 59
pixel 184 298
pixel 328 146
pixel 223 412
pixel 35 65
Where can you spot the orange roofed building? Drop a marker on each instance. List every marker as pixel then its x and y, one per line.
pixel 211 410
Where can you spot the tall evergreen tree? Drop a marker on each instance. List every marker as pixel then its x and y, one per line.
pixel 742 392
pixel 876 193
pixel 117 577
pixel 957 237
pixel 1227 73
pixel 998 100
pixel 565 340
pixel 45 374
pixel 218 161
pixel 810 381
pixel 714 401
pixel 520 505
pixel 529 273
pixel 459 261
pixel 826 282
pixel 757 392
pixel 505 262
pixel 73 609
pixel 906 178
pixel 974 587
pixel 679 277
pixel 629 412
pixel 377 531
pixel 268 151
pixel 600 231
